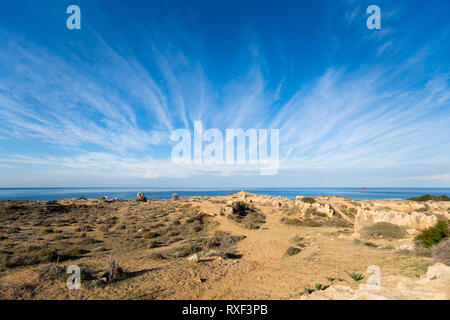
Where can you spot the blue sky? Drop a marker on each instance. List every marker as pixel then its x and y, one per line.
pixel 96 106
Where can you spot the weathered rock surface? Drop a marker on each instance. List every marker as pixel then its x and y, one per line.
pixel 319 208
pixel 193 259
pixel 409 220
pixel 435 285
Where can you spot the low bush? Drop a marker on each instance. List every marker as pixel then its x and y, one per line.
pixel 150 235
pixel 433 235
pixel 383 230
pixel 320 286
pixel 247 215
pixel 295 239
pixel 308 200
pixel 429 197
pixel 356 276
pixel 153 244
pixel 115 272
pixel 292 251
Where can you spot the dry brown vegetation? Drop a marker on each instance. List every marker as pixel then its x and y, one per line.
pixel 383 230
pixel 138 249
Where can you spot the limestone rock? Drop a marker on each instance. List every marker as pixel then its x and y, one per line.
pixel 194 258
pixel 409 220
pixel 99 249
pixel 435 285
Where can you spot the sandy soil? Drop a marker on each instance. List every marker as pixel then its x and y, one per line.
pixel 135 232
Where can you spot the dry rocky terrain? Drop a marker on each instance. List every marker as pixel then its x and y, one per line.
pixel 241 246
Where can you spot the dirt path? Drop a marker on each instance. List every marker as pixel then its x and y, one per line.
pixel 265 272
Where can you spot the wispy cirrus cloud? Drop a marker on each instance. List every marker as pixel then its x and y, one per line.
pixel 105 106
pixel 442 177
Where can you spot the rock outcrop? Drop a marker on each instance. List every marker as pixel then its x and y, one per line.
pixel 319 208
pixel 435 285
pixel 409 220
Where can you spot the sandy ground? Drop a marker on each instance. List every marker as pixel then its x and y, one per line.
pixel 264 271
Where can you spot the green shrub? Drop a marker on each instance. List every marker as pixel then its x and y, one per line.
pixel 153 244
pixel 308 290
pixel 433 235
pixel 47 255
pixel 150 235
pixel 308 200
pixel 383 229
pixel 356 276
pixel 429 197
pixel 295 239
pixel 292 251
pixel 320 286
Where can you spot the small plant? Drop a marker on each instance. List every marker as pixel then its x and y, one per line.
pixel 292 251
pixel 114 272
pixel 320 286
pixel 95 283
pixel 47 255
pixel 295 239
pixel 308 290
pixel 355 276
pixel 150 235
pixel 417 275
pixel 383 230
pixel 47 230
pixel 153 244
pixel 331 279
pixel 308 200
pixel 433 235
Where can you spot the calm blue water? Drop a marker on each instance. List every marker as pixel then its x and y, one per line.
pixel 45 194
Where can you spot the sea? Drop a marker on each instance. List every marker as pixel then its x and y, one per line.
pixel 46 194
